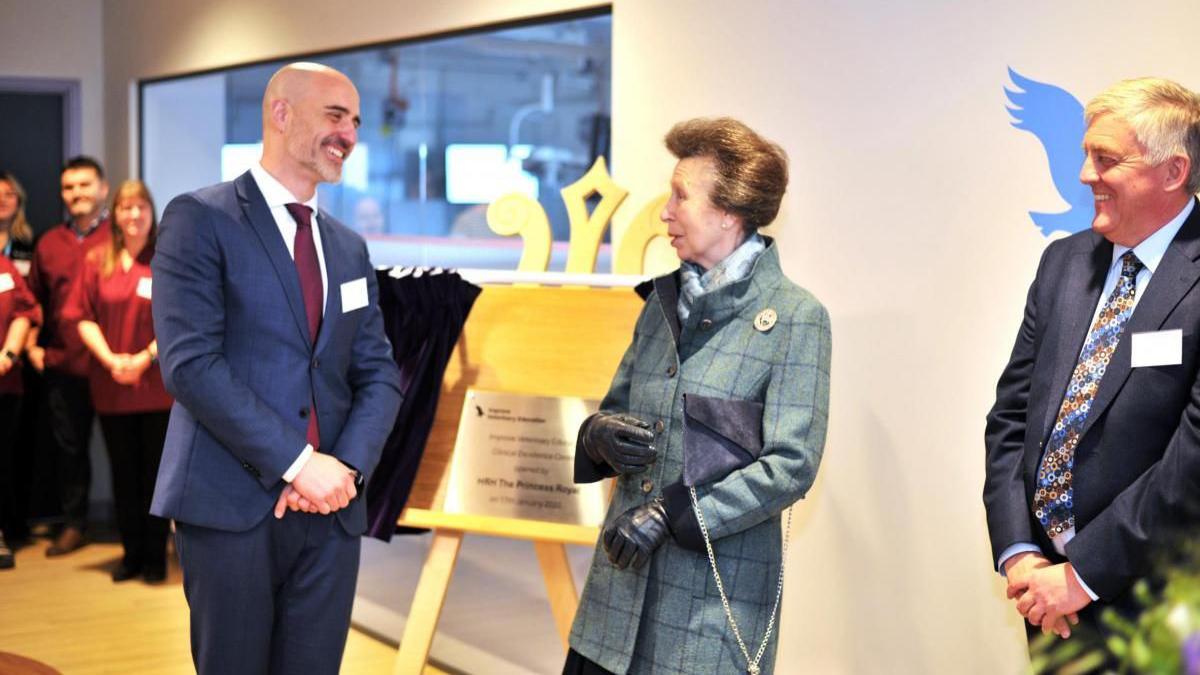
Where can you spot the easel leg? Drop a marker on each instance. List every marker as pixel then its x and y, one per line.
pixel 560 586
pixel 427 603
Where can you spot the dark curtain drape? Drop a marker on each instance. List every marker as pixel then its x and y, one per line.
pixel 423 315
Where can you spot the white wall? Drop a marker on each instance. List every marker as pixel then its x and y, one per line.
pixel 907 216
pixel 60 39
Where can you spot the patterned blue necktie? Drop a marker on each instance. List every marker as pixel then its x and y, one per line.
pixel 1054 498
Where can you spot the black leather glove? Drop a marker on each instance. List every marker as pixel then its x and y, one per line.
pixel 633 535
pixel 618 440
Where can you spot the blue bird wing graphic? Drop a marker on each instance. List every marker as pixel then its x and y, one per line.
pixel 1055 117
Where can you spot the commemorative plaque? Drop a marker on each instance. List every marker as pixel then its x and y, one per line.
pixel 515 457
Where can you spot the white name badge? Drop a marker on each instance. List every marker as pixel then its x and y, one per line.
pixel 354 295
pixel 143 289
pixel 1160 348
pixel 23 267
pixel 6 283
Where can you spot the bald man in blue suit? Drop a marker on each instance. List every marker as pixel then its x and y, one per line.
pixel 272 343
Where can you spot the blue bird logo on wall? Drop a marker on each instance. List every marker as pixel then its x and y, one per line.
pixel 1056 117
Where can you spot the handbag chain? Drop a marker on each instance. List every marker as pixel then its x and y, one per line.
pixel 753 667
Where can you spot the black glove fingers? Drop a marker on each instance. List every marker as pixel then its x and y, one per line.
pixel 625 551
pixel 632 456
pixel 613 558
pixel 634 436
pixel 630 420
pixel 638 449
pixel 609 537
pixel 622 441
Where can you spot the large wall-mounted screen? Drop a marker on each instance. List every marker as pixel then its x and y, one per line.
pixel 448 124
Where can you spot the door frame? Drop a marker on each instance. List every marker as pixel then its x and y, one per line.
pixel 72 108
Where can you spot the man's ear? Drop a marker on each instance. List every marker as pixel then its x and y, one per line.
pixel 281 111
pixel 1179 167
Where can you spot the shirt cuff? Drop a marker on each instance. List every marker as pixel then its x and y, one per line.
pixel 297 465
pixel 1019 547
pixel 1086 589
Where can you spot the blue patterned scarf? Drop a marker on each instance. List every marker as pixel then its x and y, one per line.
pixel 735 267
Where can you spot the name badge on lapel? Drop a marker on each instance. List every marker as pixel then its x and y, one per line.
pixel 6 283
pixel 354 295
pixel 143 289
pixel 1159 348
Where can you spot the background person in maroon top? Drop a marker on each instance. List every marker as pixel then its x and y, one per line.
pixel 57 350
pixel 16 244
pixel 18 310
pixel 111 303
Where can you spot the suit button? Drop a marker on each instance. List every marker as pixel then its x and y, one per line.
pixel 659 426
pixel 647 486
pixel 706 324
pixel 316 363
pixel 671 370
pixel 304 413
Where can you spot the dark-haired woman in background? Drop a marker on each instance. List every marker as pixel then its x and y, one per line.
pixel 714 424
pixel 112 304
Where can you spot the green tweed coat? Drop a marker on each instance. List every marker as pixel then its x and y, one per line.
pixel 667 616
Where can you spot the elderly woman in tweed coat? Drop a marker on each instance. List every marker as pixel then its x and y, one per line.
pixel 723 391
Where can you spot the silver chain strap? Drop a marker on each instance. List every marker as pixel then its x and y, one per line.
pixel 752 664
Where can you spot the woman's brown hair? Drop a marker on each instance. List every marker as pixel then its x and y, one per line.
pixel 19 229
pixel 752 172
pixel 134 189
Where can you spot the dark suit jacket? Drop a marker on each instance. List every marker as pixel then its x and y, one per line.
pixel 1137 464
pixel 236 355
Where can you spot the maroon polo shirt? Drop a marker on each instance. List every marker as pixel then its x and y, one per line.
pixel 57 262
pixel 120 305
pixel 16 301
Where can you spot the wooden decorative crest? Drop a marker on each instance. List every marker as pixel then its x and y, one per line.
pixel 518 215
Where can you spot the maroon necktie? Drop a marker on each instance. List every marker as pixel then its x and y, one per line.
pixel 305 254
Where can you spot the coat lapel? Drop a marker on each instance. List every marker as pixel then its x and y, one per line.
pixel 1177 273
pixel 668 296
pixel 332 252
pixel 1078 299
pixel 254 208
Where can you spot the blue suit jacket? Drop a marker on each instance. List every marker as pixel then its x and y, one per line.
pixel 1137 464
pixel 236 355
